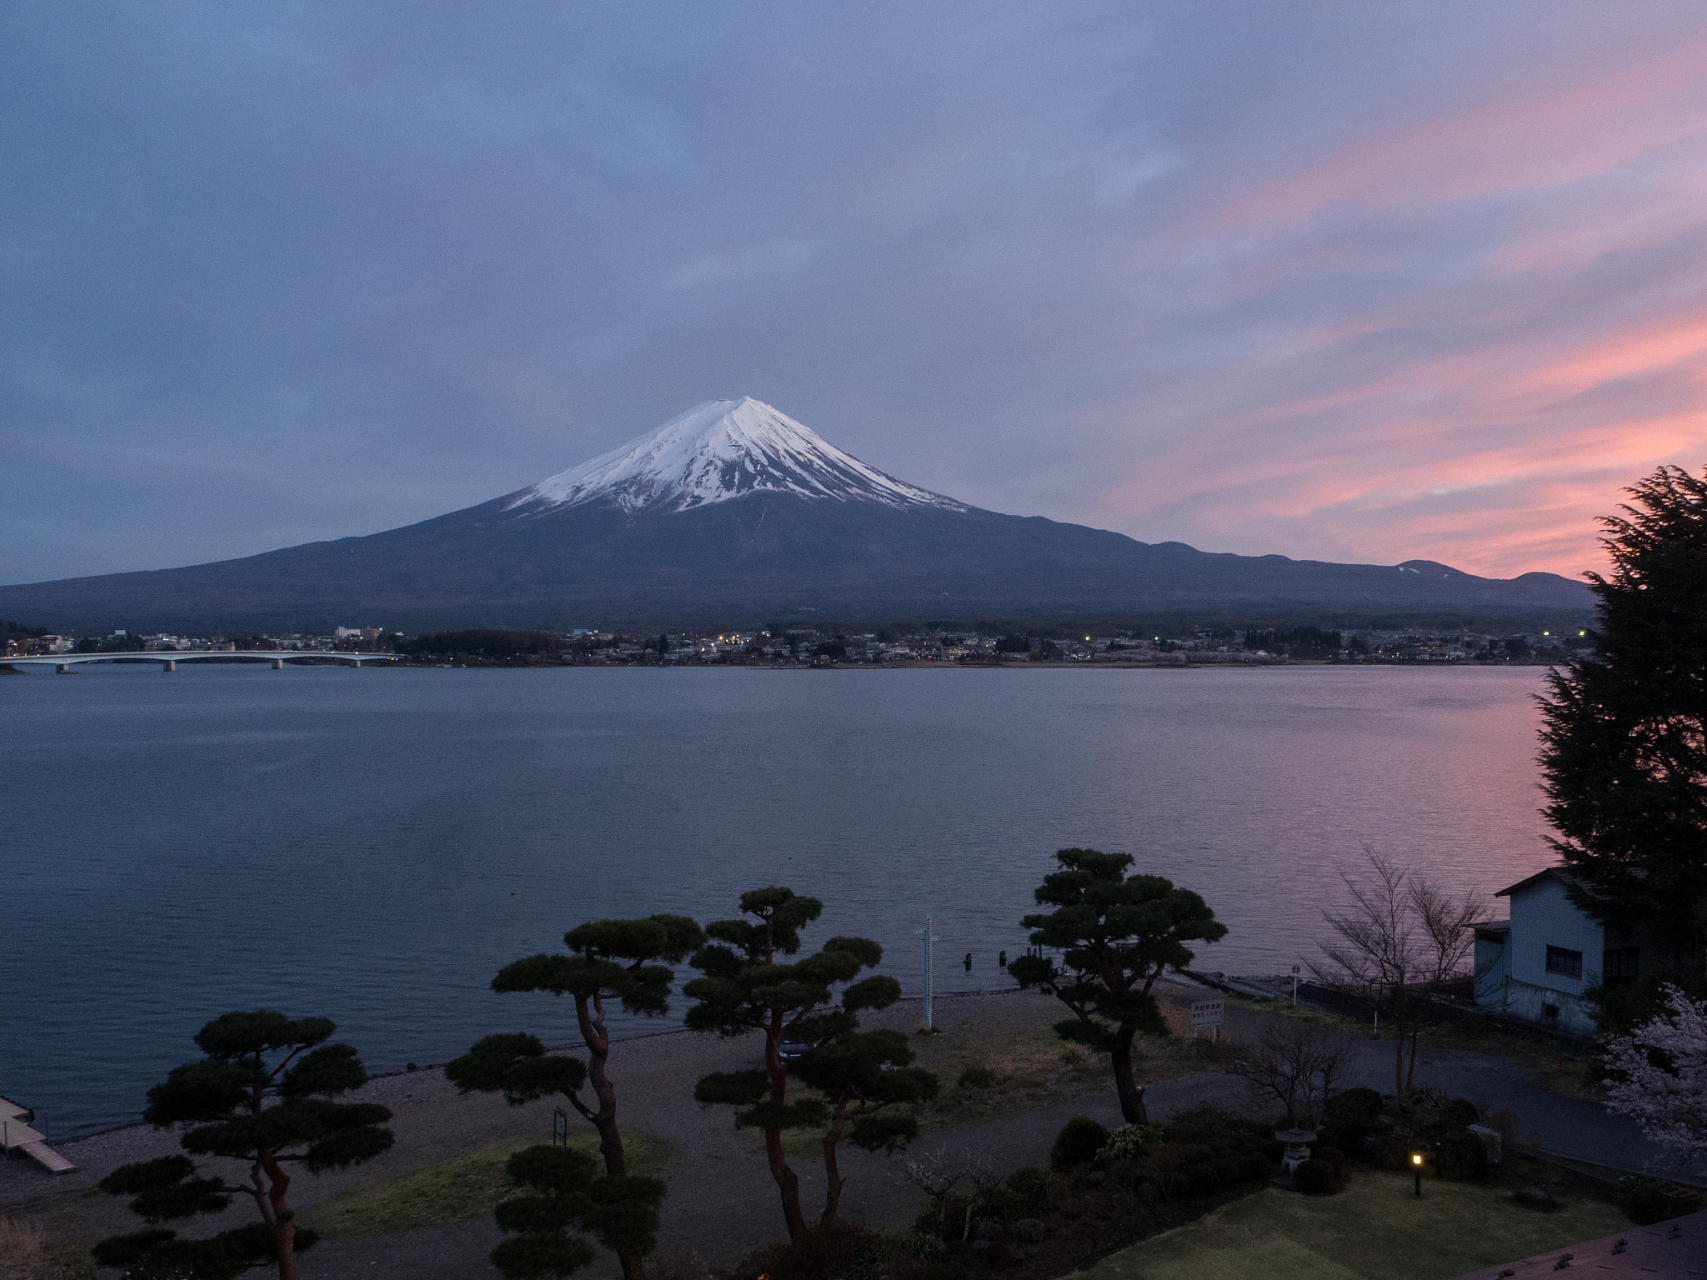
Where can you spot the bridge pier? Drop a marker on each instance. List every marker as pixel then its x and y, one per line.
pixel 169 666
pixel 278 664
pixel 62 668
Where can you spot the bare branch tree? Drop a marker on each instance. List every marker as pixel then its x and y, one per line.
pixel 1298 1064
pixel 935 1176
pixel 1400 940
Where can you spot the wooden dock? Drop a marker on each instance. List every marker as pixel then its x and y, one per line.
pixel 15 1135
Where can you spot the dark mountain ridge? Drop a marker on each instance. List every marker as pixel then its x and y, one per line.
pixel 720 540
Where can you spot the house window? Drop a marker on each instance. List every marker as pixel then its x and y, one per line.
pixel 1550 1012
pixel 1567 964
pixel 1619 966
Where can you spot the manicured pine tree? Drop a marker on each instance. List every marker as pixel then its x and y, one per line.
pixel 1117 934
pixel 864 1074
pixel 608 960
pixel 261 1096
pixel 564 1192
pixel 1624 759
pixel 746 989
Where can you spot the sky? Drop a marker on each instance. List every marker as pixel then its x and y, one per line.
pixel 1340 281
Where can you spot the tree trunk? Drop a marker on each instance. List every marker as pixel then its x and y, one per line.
pixel 1411 1074
pixel 833 1180
pixel 279 1215
pixel 597 1040
pixel 1399 1062
pixel 786 1180
pixel 1131 1093
pixel 593 1033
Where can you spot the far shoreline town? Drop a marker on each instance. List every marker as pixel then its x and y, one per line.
pixel 804 646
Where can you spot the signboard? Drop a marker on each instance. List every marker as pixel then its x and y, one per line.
pixel 1207 1013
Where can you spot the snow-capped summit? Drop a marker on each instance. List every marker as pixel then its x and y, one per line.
pixel 719 450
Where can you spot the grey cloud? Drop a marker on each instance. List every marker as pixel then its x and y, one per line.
pixel 288 272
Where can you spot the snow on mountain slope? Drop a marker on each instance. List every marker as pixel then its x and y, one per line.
pixel 719 450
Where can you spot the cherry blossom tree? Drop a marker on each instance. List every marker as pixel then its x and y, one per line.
pixel 1659 1075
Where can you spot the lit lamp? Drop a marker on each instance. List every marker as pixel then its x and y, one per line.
pixel 1417 1166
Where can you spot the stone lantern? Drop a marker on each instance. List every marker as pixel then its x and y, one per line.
pixel 1297 1148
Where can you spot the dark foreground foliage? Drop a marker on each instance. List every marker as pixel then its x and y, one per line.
pixel 1035 1223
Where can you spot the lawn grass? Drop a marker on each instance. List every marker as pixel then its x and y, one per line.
pixel 1373 1229
pixel 26 1253
pixel 454 1190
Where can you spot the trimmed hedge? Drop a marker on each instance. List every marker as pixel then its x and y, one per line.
pixel 1316 1177
pixel 1078 1143
pixel 1647 1205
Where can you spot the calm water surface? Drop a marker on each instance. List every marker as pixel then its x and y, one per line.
pixel 373 845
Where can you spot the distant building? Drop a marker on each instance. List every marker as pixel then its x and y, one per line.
pixel 1538 964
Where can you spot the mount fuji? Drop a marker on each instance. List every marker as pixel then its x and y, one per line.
pixel 734 514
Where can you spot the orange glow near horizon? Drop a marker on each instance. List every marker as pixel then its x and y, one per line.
pixel 1487 419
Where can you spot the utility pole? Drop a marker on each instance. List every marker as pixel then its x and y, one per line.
pixel 929 938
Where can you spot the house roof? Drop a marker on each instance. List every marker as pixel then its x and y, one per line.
pixel 1555 873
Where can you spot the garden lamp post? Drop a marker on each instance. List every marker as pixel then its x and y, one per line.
pixel 1417 1167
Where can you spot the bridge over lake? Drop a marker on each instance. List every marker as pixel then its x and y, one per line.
pixel 168 659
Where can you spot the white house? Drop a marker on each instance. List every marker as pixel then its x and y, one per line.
pixel 1537 964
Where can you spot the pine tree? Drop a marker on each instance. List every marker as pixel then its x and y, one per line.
pixel 608 960
pixel 1625 730
pixel 563 1192
pixel 864 1074
pixel 1117 934
pixel 261 1096
pixel 745 989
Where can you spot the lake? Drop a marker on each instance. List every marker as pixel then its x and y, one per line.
pixel 373 845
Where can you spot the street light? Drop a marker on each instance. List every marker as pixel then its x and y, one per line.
pixel 1417 1164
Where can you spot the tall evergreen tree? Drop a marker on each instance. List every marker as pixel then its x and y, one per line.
pixel 1117 934
pixel 1625 729
pixel 608 960
pixel 746 989
pixel 261 1096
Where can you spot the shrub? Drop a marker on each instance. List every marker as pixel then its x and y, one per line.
pixel 1196 1153
pixel 1078 1143
pixel 1210 1125
pixel 1256 1166
pixel 976 1077
pixel 1228 1171
pixel 1460 1113
pixel 999 1256
pixel 1315 1177
pixel 817 1255
pixel 1334 1156
pixel 1357 1111
pixel 1175 1187
pixel 1201 1179
pixel 1030 1184
pixel 1647 1204
pixel 1131 1141
pixel 1124 1173
pixel 1462 1155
